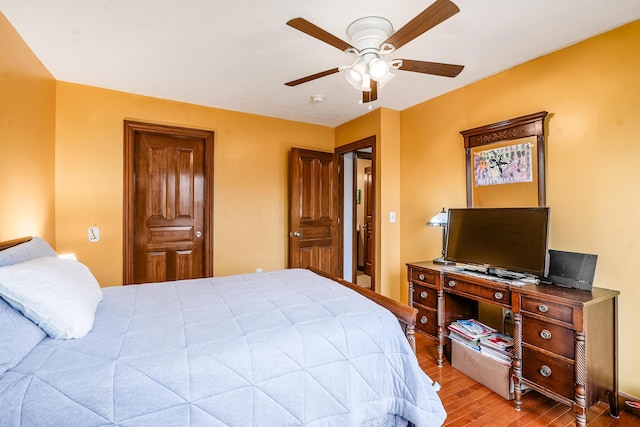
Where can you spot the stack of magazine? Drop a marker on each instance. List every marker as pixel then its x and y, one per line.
pixel 498 347
pixel 483 338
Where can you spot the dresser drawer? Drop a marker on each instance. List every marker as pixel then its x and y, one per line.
pixel 553 373
pixel 424 276
pixel 548 309
pixel 425 296
pixel 497 295
pixel 427 320
pixel 557 339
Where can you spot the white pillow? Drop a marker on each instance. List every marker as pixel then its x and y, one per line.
pixel 59 295
pixel 34 248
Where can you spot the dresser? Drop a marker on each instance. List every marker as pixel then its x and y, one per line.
pixel 565 340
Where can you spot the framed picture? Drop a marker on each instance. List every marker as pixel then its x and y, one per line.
pixel 508 164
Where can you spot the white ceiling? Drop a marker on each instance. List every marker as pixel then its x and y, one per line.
pixel 237 54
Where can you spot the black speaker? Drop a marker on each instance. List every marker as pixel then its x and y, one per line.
pixel 572 269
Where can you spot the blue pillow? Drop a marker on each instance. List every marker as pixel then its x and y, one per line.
pixel 34 248
pixel 18 336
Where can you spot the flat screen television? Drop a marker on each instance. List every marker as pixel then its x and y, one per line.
pixel 511 239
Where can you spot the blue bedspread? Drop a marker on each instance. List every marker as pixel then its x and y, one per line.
pixel 282 348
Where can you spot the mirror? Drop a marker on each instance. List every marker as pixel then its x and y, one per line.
pixel 505 163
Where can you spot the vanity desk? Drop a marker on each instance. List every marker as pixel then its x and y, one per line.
pixel 565 340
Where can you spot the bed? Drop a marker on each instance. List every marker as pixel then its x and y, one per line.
pixel 282 348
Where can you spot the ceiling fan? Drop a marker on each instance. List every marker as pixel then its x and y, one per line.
pixel 371 38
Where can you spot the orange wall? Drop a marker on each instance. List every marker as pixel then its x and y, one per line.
pixel 250 177
pixel 592 92
pixel 388 248
pixel 385 125
pixel 27 124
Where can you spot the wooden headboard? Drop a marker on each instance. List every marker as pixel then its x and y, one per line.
pixel 11 243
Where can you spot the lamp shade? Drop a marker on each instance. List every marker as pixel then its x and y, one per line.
pixel 439 220
pixel 354 75
pixel 378 69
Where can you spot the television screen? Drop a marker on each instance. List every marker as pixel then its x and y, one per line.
pixel 513 239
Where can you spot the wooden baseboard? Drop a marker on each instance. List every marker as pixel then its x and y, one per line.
pixel 623 397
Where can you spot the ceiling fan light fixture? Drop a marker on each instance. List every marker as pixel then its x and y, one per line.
pixel 369 32
pixel 356 75
pixel 385 80
pixel 372 38
pixel 366 83
pixel 353 77
pixel 386 48
pixel 379 69
pixel 395 64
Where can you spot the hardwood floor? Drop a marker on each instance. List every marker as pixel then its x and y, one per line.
pixel 469 403
pixel 363 280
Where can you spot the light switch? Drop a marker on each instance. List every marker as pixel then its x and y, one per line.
pixel 392 217
pixel 93 233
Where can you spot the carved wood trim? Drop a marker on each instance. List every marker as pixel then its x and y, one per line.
pixel 517 358
pixel 580 405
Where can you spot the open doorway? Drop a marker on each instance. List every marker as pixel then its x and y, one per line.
pixel 357 183
pixel 363 248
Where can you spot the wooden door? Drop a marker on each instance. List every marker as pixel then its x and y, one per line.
pixel 168 233
pixel 313 217
pixel 369 209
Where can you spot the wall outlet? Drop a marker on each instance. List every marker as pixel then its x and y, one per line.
pixel 259 270
pixel 93 233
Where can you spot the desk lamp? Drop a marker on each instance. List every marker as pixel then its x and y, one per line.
pixel 441 219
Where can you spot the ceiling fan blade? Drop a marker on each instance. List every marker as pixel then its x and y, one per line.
pixel 307 27
pixel 435 68
pixel 429 18
pixel 371 95
pixel 313 77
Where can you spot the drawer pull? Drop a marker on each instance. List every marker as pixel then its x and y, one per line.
pixel 424 320
pixel 546 334
pixel 543 308
pixel 545 371
pixel 498 295
pixel 423 294
pixel 452 283
pixel 421 276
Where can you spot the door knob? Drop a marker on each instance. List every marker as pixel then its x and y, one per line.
pixel 295 234
pixel 198 234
